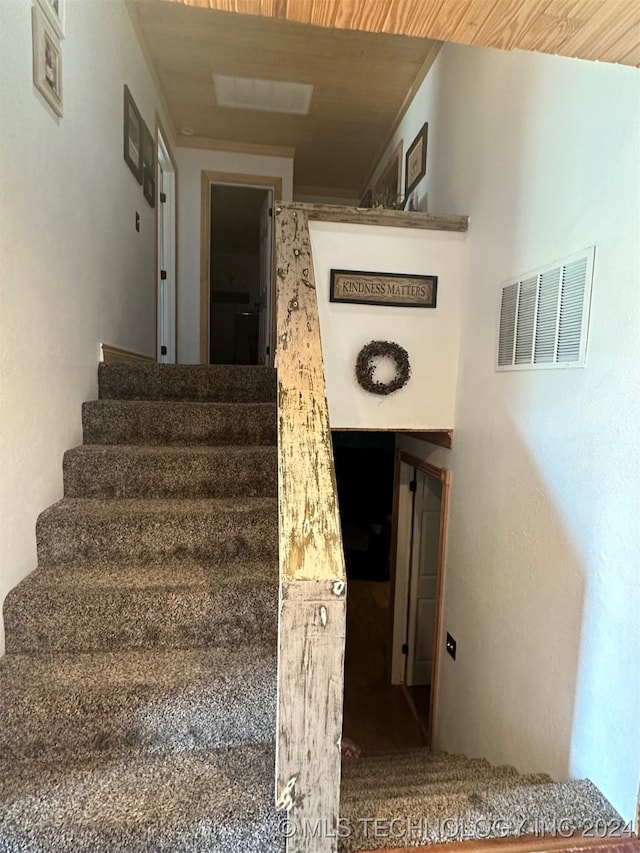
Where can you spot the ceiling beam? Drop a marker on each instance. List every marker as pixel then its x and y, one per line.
pixel 604 30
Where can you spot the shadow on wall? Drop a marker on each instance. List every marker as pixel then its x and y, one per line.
pixel 514 600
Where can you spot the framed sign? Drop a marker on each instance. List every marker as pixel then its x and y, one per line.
pixel 132 135
pixel 377 288
pixel 416 161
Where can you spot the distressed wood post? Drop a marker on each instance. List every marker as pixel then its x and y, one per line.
pixel 312 614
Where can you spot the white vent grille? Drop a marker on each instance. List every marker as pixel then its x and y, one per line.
pixel 544 316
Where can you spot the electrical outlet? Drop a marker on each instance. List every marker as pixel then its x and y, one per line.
pixel 451 645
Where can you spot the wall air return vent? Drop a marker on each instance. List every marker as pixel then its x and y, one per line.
pixel 544 316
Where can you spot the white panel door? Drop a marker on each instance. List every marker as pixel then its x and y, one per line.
pixel 427 508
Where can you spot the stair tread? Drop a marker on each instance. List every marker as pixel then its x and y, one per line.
pixel 169 381
pixel 137 700
pixel 186 405
pixel 491 806
pixel 154 668
pixel 153 422
pixel 110 507
pixel 187 801
pixel 183 575
pixel 177 450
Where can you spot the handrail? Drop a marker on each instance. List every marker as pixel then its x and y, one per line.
pixel 312 574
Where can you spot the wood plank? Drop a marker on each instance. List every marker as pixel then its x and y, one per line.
pixel 615 21
pixel 310 534
pixel 566 27
pixel 475 15
pixel 378 216
pixel 441 437
pixel 558 22
pixel 312 619
pixel 526 844
pixel 310 700
pixel 505 25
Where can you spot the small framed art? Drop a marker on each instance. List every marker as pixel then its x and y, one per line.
pixel 132 135
pixel 416 161
pixel 47 60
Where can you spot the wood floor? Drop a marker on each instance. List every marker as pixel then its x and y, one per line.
pixel 376 713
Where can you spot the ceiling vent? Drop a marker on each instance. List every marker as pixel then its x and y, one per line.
pixel 544 316
pixel 270 96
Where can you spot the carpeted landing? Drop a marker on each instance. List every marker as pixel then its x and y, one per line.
pixel 138 692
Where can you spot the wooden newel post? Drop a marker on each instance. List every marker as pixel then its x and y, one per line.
pixel 312 615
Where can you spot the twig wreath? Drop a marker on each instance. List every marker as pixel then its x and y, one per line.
pixel 366 365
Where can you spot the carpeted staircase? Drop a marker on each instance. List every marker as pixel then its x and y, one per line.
pixel 137 695
pixel 138 692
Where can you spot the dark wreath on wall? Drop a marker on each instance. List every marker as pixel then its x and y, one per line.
pixel 366 364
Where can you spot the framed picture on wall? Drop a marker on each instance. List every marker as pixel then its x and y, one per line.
pixel 148 166
pixel 54 12
pixel 416 161
pixel 132 135
pixel 47 60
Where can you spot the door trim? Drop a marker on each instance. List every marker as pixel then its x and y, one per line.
pixel 233 178
pixel 444 476
pixel 166 140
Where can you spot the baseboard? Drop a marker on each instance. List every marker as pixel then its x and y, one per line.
pixel 115 355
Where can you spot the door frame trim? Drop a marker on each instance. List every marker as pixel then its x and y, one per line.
pixel 444 476
pixel 207 178
pixel 167 143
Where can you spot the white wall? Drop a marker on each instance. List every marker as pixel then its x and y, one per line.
pixel 430 336
pixel 74 270
pixel 542 587
pixel 191 163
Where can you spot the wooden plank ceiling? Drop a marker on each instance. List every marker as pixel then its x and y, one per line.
pixel 364 58
pixel 606 30
pixel 361 81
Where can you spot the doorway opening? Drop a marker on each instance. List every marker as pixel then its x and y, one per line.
pixel 166 285
pixel 393 512
pixel 237 275
pixel 376 713
pixel 420 520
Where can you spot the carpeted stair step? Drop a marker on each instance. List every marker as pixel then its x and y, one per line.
pixel 155 701
pixel 216 383
pixel 436 798
pixel 405 780
pixel 93 532
pixel 184 606
pixel 441 786
pixel 152 423
pixel 189 802
pixel 134 471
